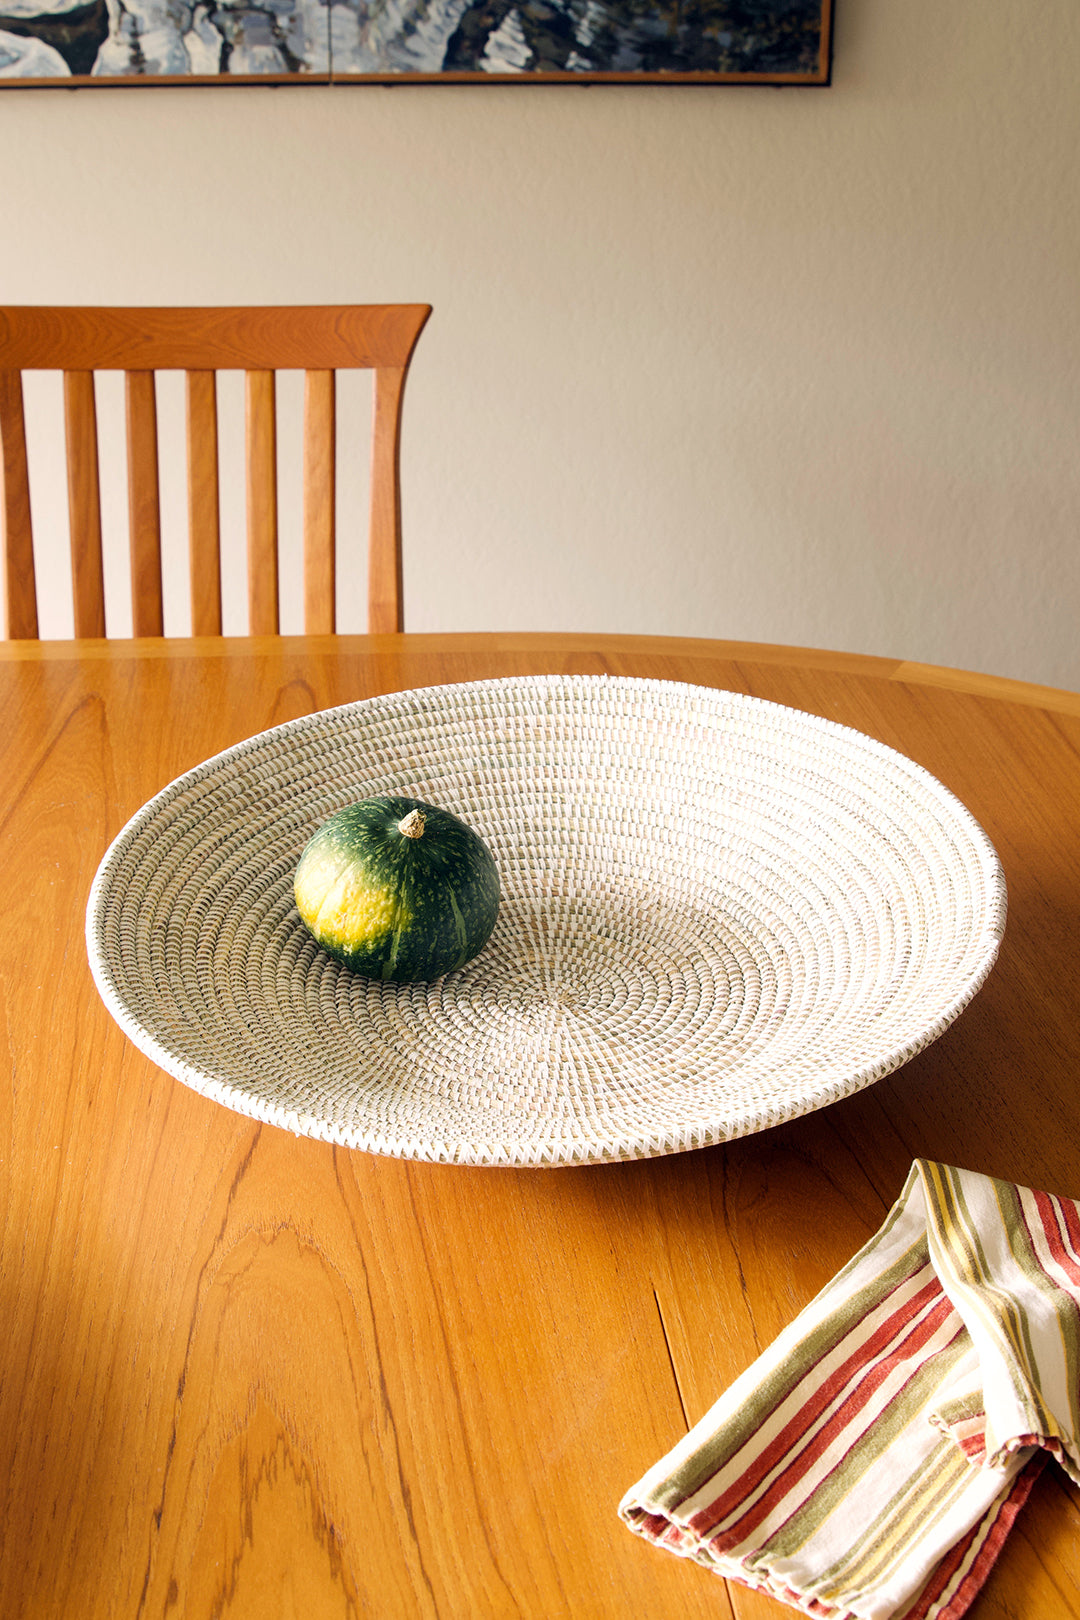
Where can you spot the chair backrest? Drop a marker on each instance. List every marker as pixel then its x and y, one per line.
pixel 259 341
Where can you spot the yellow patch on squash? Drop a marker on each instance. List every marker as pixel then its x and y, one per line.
pixel 341 908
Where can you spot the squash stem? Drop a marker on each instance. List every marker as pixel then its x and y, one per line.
pixel 412 825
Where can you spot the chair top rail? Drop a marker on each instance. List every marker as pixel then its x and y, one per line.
pixel 264 337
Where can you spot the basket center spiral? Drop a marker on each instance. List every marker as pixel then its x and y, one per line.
pixel 578 998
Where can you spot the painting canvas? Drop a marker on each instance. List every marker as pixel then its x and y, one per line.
pixel 102 42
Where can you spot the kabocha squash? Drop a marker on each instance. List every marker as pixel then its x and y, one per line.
pixel 397 889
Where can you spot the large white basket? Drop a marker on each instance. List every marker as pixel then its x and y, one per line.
pixel 717 914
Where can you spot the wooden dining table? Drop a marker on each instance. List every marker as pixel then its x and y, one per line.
pixel 250 1374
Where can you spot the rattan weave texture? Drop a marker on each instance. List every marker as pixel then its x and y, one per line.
pixel 717 914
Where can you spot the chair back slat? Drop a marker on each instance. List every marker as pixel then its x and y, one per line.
pixel 262 516
pixel 204 504
pixel 84 503
pixel 318 340
pixel 320 433
pixel 20 596
pixel 144 504
pixel 385 592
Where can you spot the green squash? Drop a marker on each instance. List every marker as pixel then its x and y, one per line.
pixel 397 889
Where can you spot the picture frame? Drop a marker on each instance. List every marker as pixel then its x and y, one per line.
pixel 101 43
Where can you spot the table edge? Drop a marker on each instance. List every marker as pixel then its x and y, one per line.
pixel 971 683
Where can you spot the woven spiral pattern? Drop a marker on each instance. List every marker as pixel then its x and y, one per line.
pixel 717 914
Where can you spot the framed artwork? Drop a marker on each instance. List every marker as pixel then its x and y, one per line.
pixel 157 42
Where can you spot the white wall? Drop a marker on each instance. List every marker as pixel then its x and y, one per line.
pixel 782 365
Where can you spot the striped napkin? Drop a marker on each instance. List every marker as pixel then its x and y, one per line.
pixel 870 1464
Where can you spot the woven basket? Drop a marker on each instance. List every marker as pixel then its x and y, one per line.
pixel 717 914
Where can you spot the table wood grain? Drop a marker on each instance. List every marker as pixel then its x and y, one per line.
pixel 248 1375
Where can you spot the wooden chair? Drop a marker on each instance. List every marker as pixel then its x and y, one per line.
pixel 319 340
